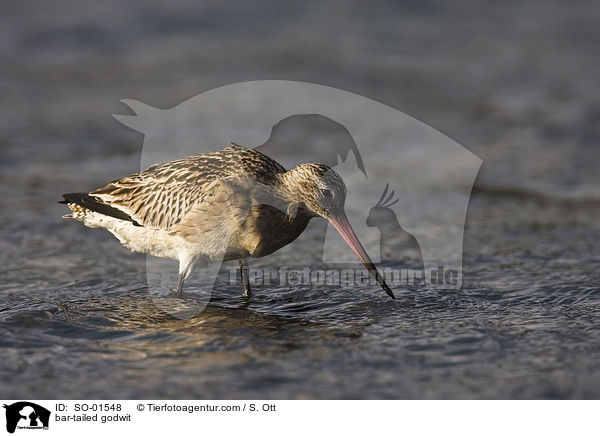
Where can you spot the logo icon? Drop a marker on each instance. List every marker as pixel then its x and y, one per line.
pixel 415 229
pixel 26 415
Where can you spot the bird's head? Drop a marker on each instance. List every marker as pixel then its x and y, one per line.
pixel 320 189
pixel 323 193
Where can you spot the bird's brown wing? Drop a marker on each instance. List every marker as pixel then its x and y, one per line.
pixel 217 220
pixel 154 199
pixel 162 195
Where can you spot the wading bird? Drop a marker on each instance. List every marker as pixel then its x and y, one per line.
pixel 230 204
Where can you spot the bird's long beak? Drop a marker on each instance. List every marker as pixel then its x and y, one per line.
pixel 343 226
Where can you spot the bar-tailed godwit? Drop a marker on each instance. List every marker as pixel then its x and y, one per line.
pixel 230 204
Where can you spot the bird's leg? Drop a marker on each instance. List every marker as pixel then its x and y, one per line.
pixel 186 265
pixel 246 292
pixel 178 292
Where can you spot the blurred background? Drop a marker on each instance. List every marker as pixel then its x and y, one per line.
pixel 515 82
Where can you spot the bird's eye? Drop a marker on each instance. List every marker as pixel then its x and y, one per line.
pixel 326 193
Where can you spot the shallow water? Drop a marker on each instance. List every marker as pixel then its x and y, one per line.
pixel 524 325
pixel 75 312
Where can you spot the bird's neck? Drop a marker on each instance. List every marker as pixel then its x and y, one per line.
pixel 289 186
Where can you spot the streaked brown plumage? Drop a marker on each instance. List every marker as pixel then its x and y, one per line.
pixel 224 205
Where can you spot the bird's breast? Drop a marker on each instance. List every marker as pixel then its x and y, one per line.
pixel 267 229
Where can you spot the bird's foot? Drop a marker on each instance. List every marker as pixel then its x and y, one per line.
pixel 176 293
pixel 245 276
